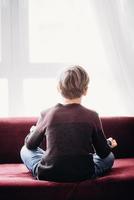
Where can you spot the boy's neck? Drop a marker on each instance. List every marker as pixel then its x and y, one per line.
pixel 71 101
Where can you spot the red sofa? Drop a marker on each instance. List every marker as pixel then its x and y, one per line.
pixel 17 183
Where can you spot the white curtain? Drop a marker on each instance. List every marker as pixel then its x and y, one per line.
pixel 115 19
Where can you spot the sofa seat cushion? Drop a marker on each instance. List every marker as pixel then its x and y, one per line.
pixel 17 182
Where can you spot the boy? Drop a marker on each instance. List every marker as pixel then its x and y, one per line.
pixel 72 132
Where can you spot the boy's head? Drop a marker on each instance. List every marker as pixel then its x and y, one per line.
pixel 73 82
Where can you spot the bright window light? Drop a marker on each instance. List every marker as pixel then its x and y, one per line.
pixel 39 94
pixel 58 34
pixel 66 31
pixel 63 31
pixel 104 97
pixel 3 97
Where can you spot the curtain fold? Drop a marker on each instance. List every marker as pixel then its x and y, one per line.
pixel 115 20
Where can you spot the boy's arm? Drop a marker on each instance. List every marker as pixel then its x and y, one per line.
pixel 102 145
pixel 36 135
pixel 99 140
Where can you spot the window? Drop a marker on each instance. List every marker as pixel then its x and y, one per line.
pixel 62 31
pixel 41 37
pixel 39 94
pixel 104 96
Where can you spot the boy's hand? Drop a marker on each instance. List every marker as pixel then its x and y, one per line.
pixel 32 128
pixel 112 142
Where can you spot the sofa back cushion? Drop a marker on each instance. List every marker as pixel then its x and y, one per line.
pixel 122 129
pixel 12 134
pixel 14 130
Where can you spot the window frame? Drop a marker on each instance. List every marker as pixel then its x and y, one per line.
pixel 15 65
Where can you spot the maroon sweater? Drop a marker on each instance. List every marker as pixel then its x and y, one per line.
pixel 72 133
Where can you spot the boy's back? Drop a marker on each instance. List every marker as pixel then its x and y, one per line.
pixel 70 132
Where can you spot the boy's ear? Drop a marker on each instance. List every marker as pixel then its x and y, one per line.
pixel 85 92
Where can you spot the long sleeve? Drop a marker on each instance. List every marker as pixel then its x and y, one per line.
pixel 99 140
pixel 36 135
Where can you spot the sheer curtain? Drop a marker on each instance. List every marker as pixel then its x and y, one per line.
pixel 115 19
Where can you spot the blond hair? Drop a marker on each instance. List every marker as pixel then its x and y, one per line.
pixel 73 82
